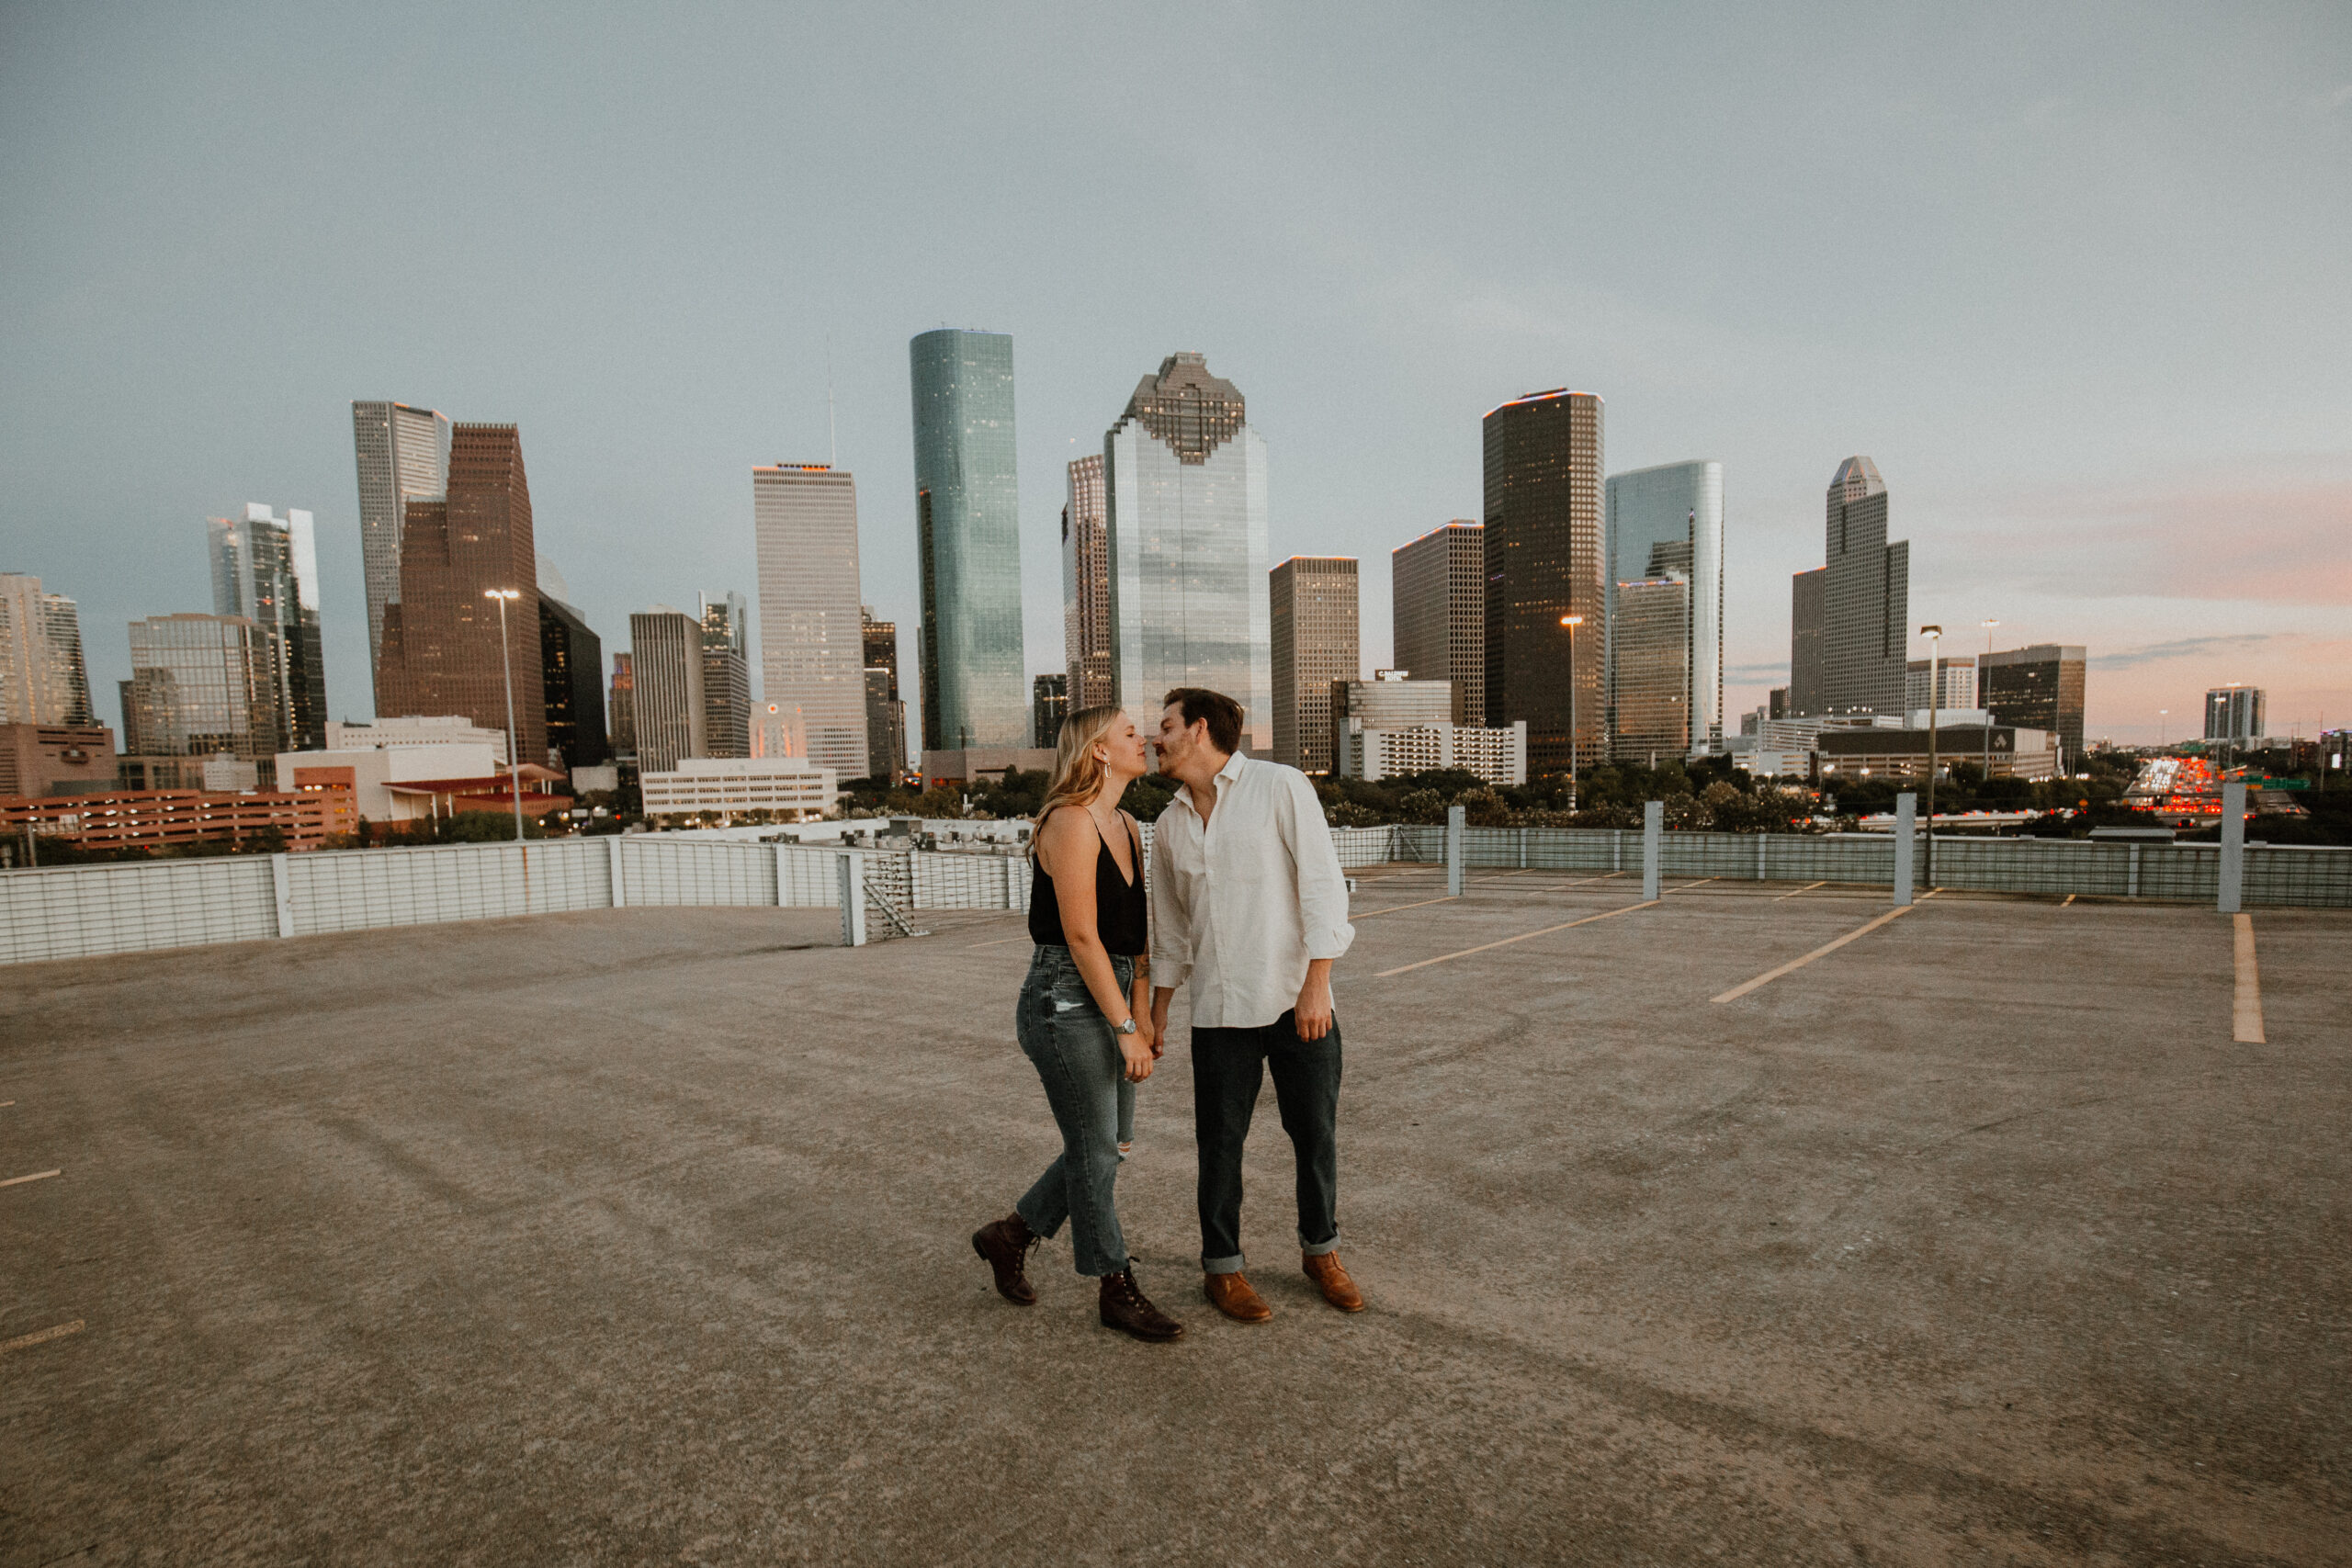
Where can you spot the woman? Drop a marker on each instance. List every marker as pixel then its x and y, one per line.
pixel 1084 1017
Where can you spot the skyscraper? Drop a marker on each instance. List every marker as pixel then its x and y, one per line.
pixel 42 677
pixel 572 677
pixel 622 708
pixel 725 678
pixel 1184 479
pixel 1312 611
pixel 441 638
pixel 1807 610
pixel 2233 713
pixel 967 540
pixel 403 456
pixel 1086 588
pixel 1650 664
pixel 1438 589
pixel 202 685
pixel 666 666
pixel 1680 505
pixel 1048 705
pixel 2039 687
pixel 265 568
pixel 1866 598
pixel 885 711
pixel 1543 561
pixel 812 628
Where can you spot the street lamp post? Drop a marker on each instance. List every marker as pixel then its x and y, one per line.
pixel 1983 705
pixel 506 668
pixel 1935 643
pixel 1572 623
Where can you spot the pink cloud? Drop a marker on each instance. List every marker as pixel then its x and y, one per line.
pixel 2289 541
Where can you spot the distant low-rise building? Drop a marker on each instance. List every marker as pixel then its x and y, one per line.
pixel 706 786
pixel 982 764
pixel 1880 752
pixel 1497 755
pixel 55 758
pixel 399 733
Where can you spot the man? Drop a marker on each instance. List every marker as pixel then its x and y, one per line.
pixel 1249 905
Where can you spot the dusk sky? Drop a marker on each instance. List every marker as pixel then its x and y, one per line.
pixel 2079 278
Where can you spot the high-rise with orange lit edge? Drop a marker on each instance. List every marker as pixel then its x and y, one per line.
pixel 1543 543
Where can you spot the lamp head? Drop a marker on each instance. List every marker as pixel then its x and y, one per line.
pixel 1932 632
pixel 1572 620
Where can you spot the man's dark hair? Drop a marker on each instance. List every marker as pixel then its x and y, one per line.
pixel 1223 714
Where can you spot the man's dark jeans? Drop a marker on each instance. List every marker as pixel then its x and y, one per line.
pixel 1227 1067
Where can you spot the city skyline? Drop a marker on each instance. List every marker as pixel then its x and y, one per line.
pixel 1993 352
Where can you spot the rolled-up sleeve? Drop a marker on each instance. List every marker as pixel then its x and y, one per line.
pixel 1322 887
pixel 1172 921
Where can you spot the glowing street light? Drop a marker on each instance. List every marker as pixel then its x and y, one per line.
pixel 1935 636
pixel 506 668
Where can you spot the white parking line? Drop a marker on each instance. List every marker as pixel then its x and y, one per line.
pixel 41 1335
pixel 1488 946
pixel 1688 886
pixel 2245 1001
pixel 1826 948
pixel 1806 889
pixel 36 1176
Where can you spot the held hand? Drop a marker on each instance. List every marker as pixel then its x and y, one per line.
pixel 1314 1014
pixel 1158 1040
pixel 1138 1055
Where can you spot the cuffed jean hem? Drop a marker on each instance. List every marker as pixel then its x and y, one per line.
pixel 1222 1265
pixel 1317 1249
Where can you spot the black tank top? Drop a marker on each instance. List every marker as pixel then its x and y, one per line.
pixel 1118 903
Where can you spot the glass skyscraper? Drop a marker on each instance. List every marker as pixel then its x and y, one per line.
pixel 265 568
pixel 202 685
pixel 1681 506
pixel 403 455
pixel 1185 512
pixel 967 538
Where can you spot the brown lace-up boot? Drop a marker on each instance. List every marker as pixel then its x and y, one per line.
pixel 1330 1277
pixel 1233 1295
pixel 1005 1245
pixel 1127 1309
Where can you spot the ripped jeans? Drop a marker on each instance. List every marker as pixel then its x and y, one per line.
pixel 1068 1041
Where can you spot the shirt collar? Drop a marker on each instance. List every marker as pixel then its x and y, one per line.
pixel 1232 769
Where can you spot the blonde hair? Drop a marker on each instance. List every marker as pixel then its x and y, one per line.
pixel 1078 772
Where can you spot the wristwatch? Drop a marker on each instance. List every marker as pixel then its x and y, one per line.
pixel 1126 1028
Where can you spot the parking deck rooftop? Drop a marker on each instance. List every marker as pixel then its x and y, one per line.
pixel 638 1236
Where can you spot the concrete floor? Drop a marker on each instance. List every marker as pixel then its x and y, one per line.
pixel 638 1236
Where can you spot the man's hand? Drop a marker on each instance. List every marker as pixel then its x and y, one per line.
pixel 1313 1015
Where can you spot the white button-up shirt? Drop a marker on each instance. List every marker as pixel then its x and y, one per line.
pixel 1241 904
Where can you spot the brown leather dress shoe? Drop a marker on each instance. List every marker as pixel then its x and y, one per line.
pixel 1128 1310
pixel 1233 1295
pixel 1330 1277
pixel 1005 1245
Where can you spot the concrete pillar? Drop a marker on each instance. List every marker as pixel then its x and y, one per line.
pixel 620 891
pixel 1453 846
pixel 850 866
pixel 1907 819
pixel 1653 835
pixel 2232 847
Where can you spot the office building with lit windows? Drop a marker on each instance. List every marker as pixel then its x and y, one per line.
pixel 967 540
pixel 1086 588
pixel 1186 476
pixel 726 677
pixel 43 679
pixel 1650 667
pixel 670 713
pixel 1544 562
pixel 1866 598
pixel 202 686
pixel 1438 597
pixel 2041 687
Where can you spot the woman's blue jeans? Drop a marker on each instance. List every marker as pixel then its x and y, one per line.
pixel 1076 1056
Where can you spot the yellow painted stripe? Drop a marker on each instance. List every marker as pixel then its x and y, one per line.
pixel 1394 907
pixel 2067 900
pixel 2245 1002
pixel 1523 936
pixel 1001 942
pixel 1688 886
pixel 1564 886
pixel 1822 950
pixel 41 1335
pixel 1806 889
pixel 36 1176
